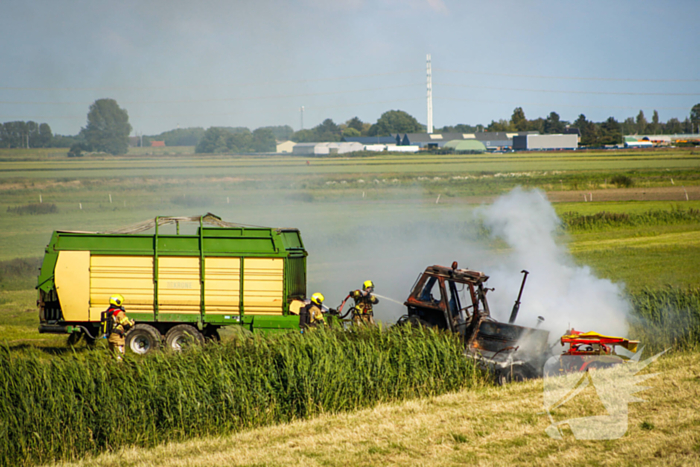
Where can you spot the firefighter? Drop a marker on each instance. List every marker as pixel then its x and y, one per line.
pixel 362 312
pixel 116 324
pixel 312 314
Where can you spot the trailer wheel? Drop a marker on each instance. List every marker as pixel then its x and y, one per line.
pixel 143 338
pixel 181 336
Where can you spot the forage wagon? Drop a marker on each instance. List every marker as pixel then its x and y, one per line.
pixel 177 286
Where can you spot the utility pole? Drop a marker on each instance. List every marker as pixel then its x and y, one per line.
pixel 429 73
pixel 301 110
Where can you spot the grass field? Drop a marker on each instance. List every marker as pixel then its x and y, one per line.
pixel 487 426
pixel 383 217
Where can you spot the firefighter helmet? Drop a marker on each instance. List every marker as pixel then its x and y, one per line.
pixel 368 285
pixel 317 298
pixel 116 300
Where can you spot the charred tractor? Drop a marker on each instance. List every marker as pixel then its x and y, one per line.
pixel 454 299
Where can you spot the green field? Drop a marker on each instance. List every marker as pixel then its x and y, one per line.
pixel 383 217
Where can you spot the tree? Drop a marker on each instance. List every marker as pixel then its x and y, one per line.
pixel 629 126
pixel 673 126
pixel 45 136
pixel 395 121
pixel 501 125
pixel 213 141
pixel 641 123
pixel 351 132
pixel 695 117
pixel 264 140
pixel 552 124
pixel 654 127
pixel 610 131
pixel 518 120
pixel 107 127
pixel 356 124
pixel 589 131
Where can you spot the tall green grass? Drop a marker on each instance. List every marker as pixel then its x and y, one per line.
pixel 65 408
pixel 575 222
pixel 667 318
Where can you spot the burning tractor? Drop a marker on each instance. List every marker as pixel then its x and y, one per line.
pixel 455 299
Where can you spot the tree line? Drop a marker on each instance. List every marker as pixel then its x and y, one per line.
pixel 108 130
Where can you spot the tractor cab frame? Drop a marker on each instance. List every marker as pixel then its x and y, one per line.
pixel 454 299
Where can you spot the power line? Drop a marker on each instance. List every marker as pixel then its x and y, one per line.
pixel 576 78
pixel 520 104
pixel 134 115
pixel 556 91
pixel 231 99
pixel 206 86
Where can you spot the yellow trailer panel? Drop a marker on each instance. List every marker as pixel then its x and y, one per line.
pixel 131 276
pixel 179 284
pixel 72 279
pixel 263 286
pixel 222 283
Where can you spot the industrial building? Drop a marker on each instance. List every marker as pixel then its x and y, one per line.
pixel 492 140
pixel 285 146
pixel 532 142
pixel 322 149
pixel 466 145
pixel 367 140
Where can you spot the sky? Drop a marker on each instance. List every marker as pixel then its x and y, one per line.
pixel 251 63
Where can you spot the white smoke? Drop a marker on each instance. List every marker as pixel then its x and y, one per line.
pixel 558 289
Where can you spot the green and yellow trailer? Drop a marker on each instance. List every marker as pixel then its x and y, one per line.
pixel 176 286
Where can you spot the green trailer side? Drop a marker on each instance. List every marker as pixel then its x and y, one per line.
pixel 249 276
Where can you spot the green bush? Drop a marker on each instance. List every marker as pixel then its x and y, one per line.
pixel 622 181
pixel 574 221
pixel 65 408
pixel 34 208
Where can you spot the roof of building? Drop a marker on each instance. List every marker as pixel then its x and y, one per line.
pixel 466 145
pixel 370 139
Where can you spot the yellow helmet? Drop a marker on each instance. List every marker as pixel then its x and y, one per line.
pixel 368 285
pixel 116 300
pixel 317 298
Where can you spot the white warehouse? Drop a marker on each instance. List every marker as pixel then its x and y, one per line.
pixel 321 149
pixel 543 142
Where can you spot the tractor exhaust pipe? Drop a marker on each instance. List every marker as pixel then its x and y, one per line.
pixel 516 306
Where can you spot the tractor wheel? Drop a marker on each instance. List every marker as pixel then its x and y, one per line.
pixel 181 336
pixel 143 338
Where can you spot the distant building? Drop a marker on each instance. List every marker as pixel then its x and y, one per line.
pixel 157 144
pixel 391 148
pixel 466 145
pixel 322 149
pixel 544 142
pixel 371 139
pixel 492 140
pixel 285 146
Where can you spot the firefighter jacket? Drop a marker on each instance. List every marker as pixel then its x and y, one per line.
pixel 315 314
pixel 120 325
pixel 364 301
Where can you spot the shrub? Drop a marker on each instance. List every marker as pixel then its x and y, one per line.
pixel 34 208
pixel 622 181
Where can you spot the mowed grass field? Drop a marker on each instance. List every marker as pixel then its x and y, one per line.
pixel 354 215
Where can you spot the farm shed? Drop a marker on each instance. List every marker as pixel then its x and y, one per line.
pixel 467 145
pixel 538 142
pixel 285 146
pixel 322 149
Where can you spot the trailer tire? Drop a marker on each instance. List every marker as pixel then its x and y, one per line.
pixel 142 339
pixel 181 336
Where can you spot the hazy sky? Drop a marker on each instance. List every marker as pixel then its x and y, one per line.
pixel 254 63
